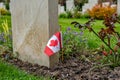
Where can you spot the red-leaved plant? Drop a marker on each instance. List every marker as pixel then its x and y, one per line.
pixel 112 56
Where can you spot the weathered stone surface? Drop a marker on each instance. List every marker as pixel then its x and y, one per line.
pixel 33 23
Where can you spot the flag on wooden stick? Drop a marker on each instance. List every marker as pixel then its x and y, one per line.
pixel 54 44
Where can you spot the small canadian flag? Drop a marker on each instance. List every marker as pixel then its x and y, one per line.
pixel 54 44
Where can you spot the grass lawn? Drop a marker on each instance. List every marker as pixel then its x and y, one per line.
pixel 93 41
pixel 10 72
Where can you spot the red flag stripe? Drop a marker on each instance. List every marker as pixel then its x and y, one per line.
pixel 48 51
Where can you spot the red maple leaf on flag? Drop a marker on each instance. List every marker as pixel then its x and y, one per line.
pixel 53 43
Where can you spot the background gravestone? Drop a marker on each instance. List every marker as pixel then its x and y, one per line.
pixel 92 3
pixel 85 8
pixel 104 4
pixel 33 23
pixel 70 5
pixel 118 7
pixel 61 9
pixel 2 5
pixel 89 5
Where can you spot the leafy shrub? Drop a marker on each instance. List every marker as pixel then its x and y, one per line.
pixel 111 56
pixel 76 14
pixel 69 14
pixel 85 15
pixel 5 35
pixel 4 11
pixel 99 11
pixel 7 6
pixel 73 42
pixel 5 41
pixel 63 15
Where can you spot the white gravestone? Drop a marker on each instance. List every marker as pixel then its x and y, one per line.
pixel 59 6
pixel 33 23
pixel 105 4
pixel 85 8
pixel 92 3
pixel 70 5
pixel 89 5
pixel 2 5
pixel 114 6
pixel 118 7
pixel 61 9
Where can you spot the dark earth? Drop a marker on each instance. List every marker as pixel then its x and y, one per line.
pixel 70 69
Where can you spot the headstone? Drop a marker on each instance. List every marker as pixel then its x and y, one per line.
pixel 10 5
pixel 61 9
pixel 33 23
pixel 2 5
pixel 92 3
pixel 114 5
pixel 105 4
pixel 89 5
pixel 118 7
pixel 70 5
pixel 85 8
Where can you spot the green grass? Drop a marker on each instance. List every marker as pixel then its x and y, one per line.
pixel 2 19
pixel 10 72
pixel 8 18
pixel 93 40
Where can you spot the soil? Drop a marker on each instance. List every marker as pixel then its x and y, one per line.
pixel 70 69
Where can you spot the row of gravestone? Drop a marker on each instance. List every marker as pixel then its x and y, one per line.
pixel 92 3
pixel 69 6
pixel 61 9
pixel 33 23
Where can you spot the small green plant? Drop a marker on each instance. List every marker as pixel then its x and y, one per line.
pixel 85 15
pixel 6 32
pixel 4 11
pixel 76 13
pixel 5 38
pixel 69 14
pixel 63 15
pixel 73 42
pixel 111 57
pixel 7 5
